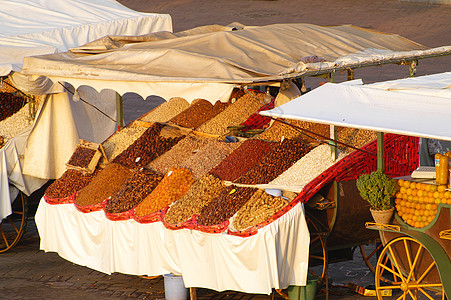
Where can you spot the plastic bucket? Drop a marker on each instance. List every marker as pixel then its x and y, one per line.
pixel 174 288
pixel 307 292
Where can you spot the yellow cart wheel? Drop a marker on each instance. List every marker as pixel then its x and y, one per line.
pixel 412 269
pixel 13 226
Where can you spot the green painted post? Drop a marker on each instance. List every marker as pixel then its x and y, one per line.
pixel 119 112
pixel 380 151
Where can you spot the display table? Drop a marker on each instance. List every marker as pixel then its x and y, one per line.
pixel 275 257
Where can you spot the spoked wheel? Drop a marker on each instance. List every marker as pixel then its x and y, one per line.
pixel 370 254
pixel 13 226
pixel 317 255
pixel 414 273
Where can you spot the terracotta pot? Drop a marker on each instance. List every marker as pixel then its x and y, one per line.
pixel 382 216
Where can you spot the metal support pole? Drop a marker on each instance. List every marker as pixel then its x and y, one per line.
pixel 119 112
pixel 380 152
pixel 333 129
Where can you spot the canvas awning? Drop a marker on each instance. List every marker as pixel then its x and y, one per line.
pixel 233 54
pixel 36 27
pixel 419 106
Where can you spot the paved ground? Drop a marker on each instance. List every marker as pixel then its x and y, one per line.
pixel 28 273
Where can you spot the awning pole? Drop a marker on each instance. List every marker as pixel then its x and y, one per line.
pixel 380 152
pixel 119 112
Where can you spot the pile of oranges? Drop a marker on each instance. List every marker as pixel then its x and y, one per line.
pixel 417 203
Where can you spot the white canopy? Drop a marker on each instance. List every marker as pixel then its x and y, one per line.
pixel 233 54
pixel 35 27
pixel 418 106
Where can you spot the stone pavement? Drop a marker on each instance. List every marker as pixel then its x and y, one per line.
pixel 28 273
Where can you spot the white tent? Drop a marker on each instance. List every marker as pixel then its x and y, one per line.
pixel 35 27
pixel 419 106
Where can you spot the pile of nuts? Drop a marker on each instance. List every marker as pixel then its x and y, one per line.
pixel 234 114
pixel 223 207
pixel 173 186
pixel 70 182
pixel 260 207
pixel 242 159
pixel 275 162
pixel 136 187
pixel 307 168
pixel 14 124
pixel 354 137
pixel 201 192
pixel 183 150
pixel 146 148
pixel 166 111
pixel 208 157
pixel 198 113
pixel 103 186
pixel 81 157
pixel 120 140
pixel 279 130
pixel 10 104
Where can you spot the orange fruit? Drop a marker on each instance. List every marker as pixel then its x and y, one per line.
pixel 436 194
pixel 432 188
pixel 447 194
pixel 441 188
pixel 413 185
pixel 406 183
pixel 401 182
pixel 420 193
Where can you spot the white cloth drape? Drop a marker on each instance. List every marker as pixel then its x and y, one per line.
pixel 275 257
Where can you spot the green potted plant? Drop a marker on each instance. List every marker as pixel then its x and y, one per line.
pixel 378 190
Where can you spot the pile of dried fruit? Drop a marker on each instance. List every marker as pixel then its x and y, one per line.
pixel 183 150
pixel 280 158
pixel 234 114
pixel 208 157
pixel 260 207
pixel 120 140
pixel 307 168
pixel 146 148
pixel 174 184
pixel 198 113
pixel 103 186
pixel 81 157
pixel 354 137
pixel 195 199
pixel 167 110
pixel 70 182
pixel 242 159
pixel 136 187
pixel 10 104
pixel 223 207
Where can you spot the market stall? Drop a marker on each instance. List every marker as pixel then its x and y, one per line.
pixel 45 27
pixel 415 256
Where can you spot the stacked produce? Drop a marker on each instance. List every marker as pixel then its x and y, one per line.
pixel 279 159
pixel 417 203
pixel 184 149
pixel 198 113
pixel 103 186
pixel 173 186
pixel 279 130
pixel 354 137
pixel 307 168
pixel 70 182
pixel 81 157
pixel 166 111
pixel 9 105
pixel 135 188
pixel 242 159
pixel 260 207
pixel 223 207
pixel 14 124
pixel 208 157
pixel 146 148
pixel 201 192
pixel 121 140
pixel 234 114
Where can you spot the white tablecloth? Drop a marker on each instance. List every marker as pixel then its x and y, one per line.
pixel 275 257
